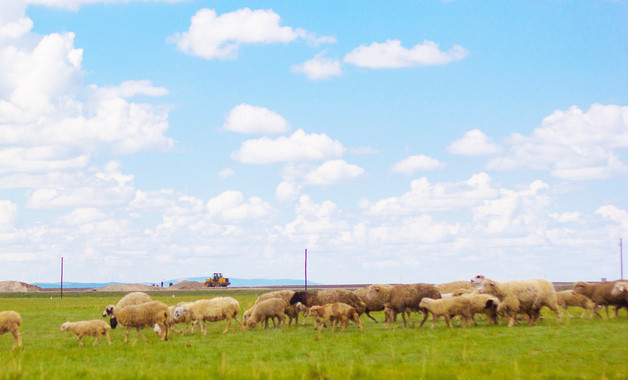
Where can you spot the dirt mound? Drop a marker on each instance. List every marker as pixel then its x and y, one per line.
pixel 187 285
pixel 17 287
pixel 129 288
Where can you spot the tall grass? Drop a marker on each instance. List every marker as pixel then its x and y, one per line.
pixel 577 349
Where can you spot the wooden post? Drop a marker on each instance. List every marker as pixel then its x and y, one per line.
pixel 306 269
pixel 61 277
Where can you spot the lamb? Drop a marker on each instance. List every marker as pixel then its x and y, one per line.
pixel 600 293
pixel 171 322
pixel 447 308
pixel 95 328
pixel 140 316
pixel 322 297
pixel 269 308
pixel 10 321
pixel 568 298
pixel 374 298
pixel 531 295
pixel 405 298
pixel 335 313
pixel 482 304
pixel 212 310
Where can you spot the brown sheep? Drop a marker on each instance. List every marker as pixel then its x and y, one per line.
pixel 407 298
pixel 322 297
pixel 335 313
pixel 286 295
pixel 600 293
pixel 374 297
pixel 568 298
pixel 10 321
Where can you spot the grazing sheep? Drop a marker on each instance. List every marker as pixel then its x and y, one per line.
pixel 171 322
pixel 95 328
pixel 531 295
pixel 10 321
pixel 286 295
pixel 322 297
pixel 210 310
pixel 374 297
pixel 600 293
pixel 404 298
pixel 447 308
pixel 482 304
pixel 449 287
pixel 139 316
pixel 335 313
pixel 267 309
pixel 568 298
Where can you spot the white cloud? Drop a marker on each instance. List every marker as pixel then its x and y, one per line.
pixel 566 217
pixel 287 192
pixel 73 5
pixel 8 213
pixel 230 205
pixel 319 67
pixel 615 214
pixel 128 89
pixel 572 144
pixel 300 146
pixel 410 165
pixel 391 54
pixel 219 37
pixel 245 118
pixel 333 172
pixel 474 143
pixel 226 173
pixel 82 216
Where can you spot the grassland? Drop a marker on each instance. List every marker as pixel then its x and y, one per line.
pixel 577 349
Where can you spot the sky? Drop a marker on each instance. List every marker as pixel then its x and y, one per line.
pixel 398 142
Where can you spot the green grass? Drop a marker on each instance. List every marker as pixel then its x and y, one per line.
pixel 578 349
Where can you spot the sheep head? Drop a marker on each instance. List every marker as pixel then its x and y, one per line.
pixel 64 327
pixel 618 289
pixel 580 287
pixel 108 311
pixel 488 287
pixel 179 312
pixel 478 280
pixel 300 296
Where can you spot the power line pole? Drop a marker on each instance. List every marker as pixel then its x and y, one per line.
pixel 61 276
pixel 621 259
pixel 306 269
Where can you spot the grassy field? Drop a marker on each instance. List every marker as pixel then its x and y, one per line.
pixel 578 349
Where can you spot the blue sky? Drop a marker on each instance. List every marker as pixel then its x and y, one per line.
pixel 408 141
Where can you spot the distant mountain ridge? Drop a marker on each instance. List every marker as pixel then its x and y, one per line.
pixel 235 282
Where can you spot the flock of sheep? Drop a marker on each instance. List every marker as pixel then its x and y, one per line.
pixel 337 307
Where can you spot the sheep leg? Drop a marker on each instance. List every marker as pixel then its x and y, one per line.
pixel 282 320
pixel 403 315
pixel 567 312
pixel 584 312
pixel 80 338
pixel 241 323
pixel 17 339
pixel 370 316
pixel 228 325
pixel 96 341
pixel 556 311
pixel 140 334
pixel 164 332
pixel 126 337
pixel 425 315
pixel 107 336
pixel 448 320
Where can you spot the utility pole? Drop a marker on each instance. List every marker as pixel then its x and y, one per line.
pixel 62 277
pixel 306 269
pixel 621 259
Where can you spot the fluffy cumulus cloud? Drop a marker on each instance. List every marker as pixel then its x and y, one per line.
pixel 246 118
pixel 8 213
pixel 572 144
pixel 412 164
pixel 333 172
pixel 213 36
pixel 391 54
pixel 319 67
pixel 299 146
pixel 474 143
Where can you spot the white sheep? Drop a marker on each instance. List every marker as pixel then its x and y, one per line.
pixel 568 298
pixel 210 310
pixel 267 309
pixel 134 298
pixel 95 328
pixel 10 321
pixel 170 322
pixel 447 308
pixel 482 304
pixel 140 316
pixel 531 295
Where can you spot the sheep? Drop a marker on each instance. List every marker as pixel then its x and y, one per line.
pixel 269 308
pixel 171 322
pixel 335 313
pixel 568 298
pixel 134 298
pixel 212 310
pixel 482 304
pixel 10 321
pixel 449 287
pixel 95 328
pixel 140 316
pixel 447 307
pixel 600 293
pixel 374 297
pixel 620 291
pixel 531 296
pixel 407 298
pixel 286 295
pixel 322 297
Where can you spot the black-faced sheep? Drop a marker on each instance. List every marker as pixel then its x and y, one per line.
pixel 134 298
pixel 140 316
pixel 405 298
pixel 95 328
pixel 600 293
pixel 334 313
pixel 531 295
pixel 447 308
pixel 210 310
pixel 10 321
pixel 322 297
pixel 568 298
pixel 267 309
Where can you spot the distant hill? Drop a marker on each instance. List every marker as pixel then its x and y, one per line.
pixel 237 282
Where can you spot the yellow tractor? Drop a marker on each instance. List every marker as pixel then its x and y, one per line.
pixel 218 281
